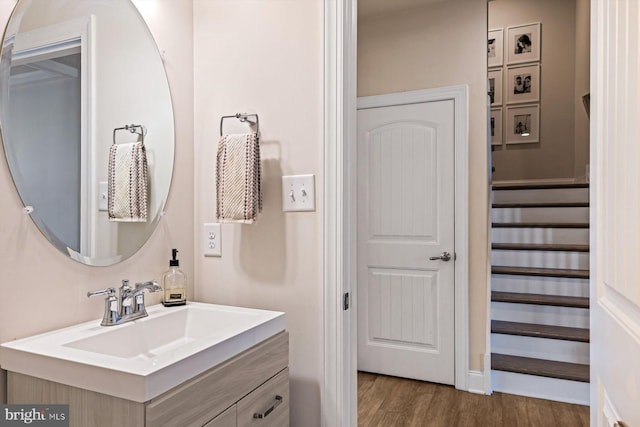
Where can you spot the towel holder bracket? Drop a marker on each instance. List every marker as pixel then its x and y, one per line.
pixel 139 129
pixel 244 118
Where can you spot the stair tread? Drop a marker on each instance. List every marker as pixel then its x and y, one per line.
pixel 540 205
pixel 547 272
pixel 540 367
pixel 541 247
pixel 540 331
pixel 538 186
pixel 540 299
pixel 540 224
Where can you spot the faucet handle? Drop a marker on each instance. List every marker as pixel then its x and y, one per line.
pixel 110 316
pixel 110 292
pixel 150 286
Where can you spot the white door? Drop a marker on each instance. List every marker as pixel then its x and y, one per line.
pixel 406 218
pixel 615 212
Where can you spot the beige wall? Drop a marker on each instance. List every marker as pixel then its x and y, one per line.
pixel 42 289
pixel 437 45
pixel 554 156
pixel 266 57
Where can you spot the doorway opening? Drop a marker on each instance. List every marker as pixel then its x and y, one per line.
pixel 412 279
pixel 538 72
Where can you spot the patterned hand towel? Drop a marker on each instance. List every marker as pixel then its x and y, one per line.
pixel 128 184
pixel 238 176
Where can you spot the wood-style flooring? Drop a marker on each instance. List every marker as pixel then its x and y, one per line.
pixel 389 401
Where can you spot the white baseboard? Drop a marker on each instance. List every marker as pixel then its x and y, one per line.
pixel 480 382
pixel 488 387
pixel 541 387
pixel 476 382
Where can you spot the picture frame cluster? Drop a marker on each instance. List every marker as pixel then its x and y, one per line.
pixel 514 80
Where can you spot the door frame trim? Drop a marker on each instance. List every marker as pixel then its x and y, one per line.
pixel 338 391
pixel 459 96
pixel 338 394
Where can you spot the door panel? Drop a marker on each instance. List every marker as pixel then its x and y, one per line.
pixel 401 179
pixel 615 209
pixel 403 308
pixel 406 216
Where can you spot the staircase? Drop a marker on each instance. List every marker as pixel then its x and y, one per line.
pixel 540 291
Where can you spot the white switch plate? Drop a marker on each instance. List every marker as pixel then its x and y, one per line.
pixel 298 193
pixel 212 239
pixel 103 198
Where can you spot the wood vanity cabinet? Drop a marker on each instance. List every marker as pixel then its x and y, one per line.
pixel 265 406
pixel 250 389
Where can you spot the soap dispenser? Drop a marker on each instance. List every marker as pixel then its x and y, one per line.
pixel 174 283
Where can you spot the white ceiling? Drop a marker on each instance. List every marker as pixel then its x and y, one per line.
pixel 377 7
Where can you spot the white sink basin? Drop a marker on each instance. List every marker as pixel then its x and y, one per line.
pixel 142 359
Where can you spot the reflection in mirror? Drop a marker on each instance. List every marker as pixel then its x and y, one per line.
pixel 70 73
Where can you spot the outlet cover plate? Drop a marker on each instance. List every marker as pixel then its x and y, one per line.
pixel 212 239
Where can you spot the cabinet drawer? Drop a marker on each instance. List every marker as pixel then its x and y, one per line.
pixel 225 419
pixel 268 405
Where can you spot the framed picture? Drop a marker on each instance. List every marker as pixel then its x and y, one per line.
pixel 495 87
pixel 523 43
pixel 523 124
pixel 495 126
pixel 523 84
pixel 494 48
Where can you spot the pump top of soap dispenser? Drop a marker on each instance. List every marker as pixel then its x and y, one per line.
pixel 174 262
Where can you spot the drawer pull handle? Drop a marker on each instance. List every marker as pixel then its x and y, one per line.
pixel 270 410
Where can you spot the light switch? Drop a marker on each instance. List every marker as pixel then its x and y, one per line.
pixel 298 193
pixel 103 197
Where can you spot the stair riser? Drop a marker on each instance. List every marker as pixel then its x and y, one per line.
pixel 553 195
pixel 572 236
pixel 540 387
pixel 540 314
pixel 541 259
pixel 540 285
pixel 541 348
pixel 540 214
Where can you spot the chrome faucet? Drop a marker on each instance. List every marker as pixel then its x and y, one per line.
pixel 128 306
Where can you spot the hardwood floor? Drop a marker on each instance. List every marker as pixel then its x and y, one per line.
pixel 389 401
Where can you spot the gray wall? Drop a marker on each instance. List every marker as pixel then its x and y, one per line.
pixel 561 152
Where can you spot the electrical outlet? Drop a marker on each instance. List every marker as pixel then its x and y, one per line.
pixel 212 236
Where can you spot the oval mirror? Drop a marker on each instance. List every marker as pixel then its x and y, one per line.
pixel 74 76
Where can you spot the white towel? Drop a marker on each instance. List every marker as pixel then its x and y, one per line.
pixel 128 182
pixel 238 176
